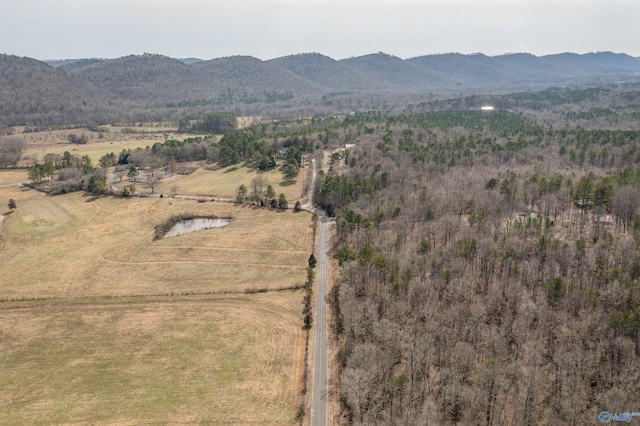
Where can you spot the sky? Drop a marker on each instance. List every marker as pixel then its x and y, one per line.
pixel 266 29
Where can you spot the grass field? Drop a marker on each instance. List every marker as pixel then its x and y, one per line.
pixel 82 276
pixel 114 140
pixel 225 182
pixel 216 360
pixel 94 150
pixel 75 244
pixel 10 176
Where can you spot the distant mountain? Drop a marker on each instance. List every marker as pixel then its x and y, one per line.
pixel 32 91
pixel 396 73
pixel 246 74
pixel 456 68
pixel 190 61
pixel 80 63
pixel 522 68
pixel 595 63
pixel 147 77
pixel 71 63
pixel 327 73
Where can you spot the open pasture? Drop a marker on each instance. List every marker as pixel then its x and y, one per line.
pixel 73 245
pixel 198 360
pixel 11 176
pixel 95 150
pixel 114 139
pixel 224 182
pixel 82 276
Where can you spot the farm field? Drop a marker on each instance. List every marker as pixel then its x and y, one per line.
pixel 196 335
pixel 55 142
pixel 216 359
pixel 95 150
pixel 74 244
pixel 10 176
pixel 224 182
pixel 115 139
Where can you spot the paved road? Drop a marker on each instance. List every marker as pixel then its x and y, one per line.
pixel 320 387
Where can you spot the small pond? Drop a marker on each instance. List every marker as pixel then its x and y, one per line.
pixel 193 225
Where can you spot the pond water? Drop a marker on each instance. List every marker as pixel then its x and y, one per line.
pixel 193 225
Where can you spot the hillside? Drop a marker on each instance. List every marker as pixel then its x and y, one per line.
pixel 147 78
pixel 96 90
pixel 248 75
pixel 35 93
pixel 328 73
pixel 395 72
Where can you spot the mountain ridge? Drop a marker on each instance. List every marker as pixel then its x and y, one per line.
pixel 72 87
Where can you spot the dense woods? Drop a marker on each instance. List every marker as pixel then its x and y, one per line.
pixel 489 269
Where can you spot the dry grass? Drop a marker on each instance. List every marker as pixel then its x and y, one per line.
pixel 248 121
pixel 10 176
pixel 82 276
pixel 55 142
pixel 225 182
pixel 74 244
pixel 222 360
pixel 95 150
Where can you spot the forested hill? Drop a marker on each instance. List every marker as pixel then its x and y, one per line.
pixel 31 90
pixel 97 89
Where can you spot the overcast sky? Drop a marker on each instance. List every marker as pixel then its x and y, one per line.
pixel 57 29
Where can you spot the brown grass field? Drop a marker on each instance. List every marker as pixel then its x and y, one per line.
pixel 201 360
pixel 82 277
pixel 114 140
pixel 224 182
pixel 10 176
